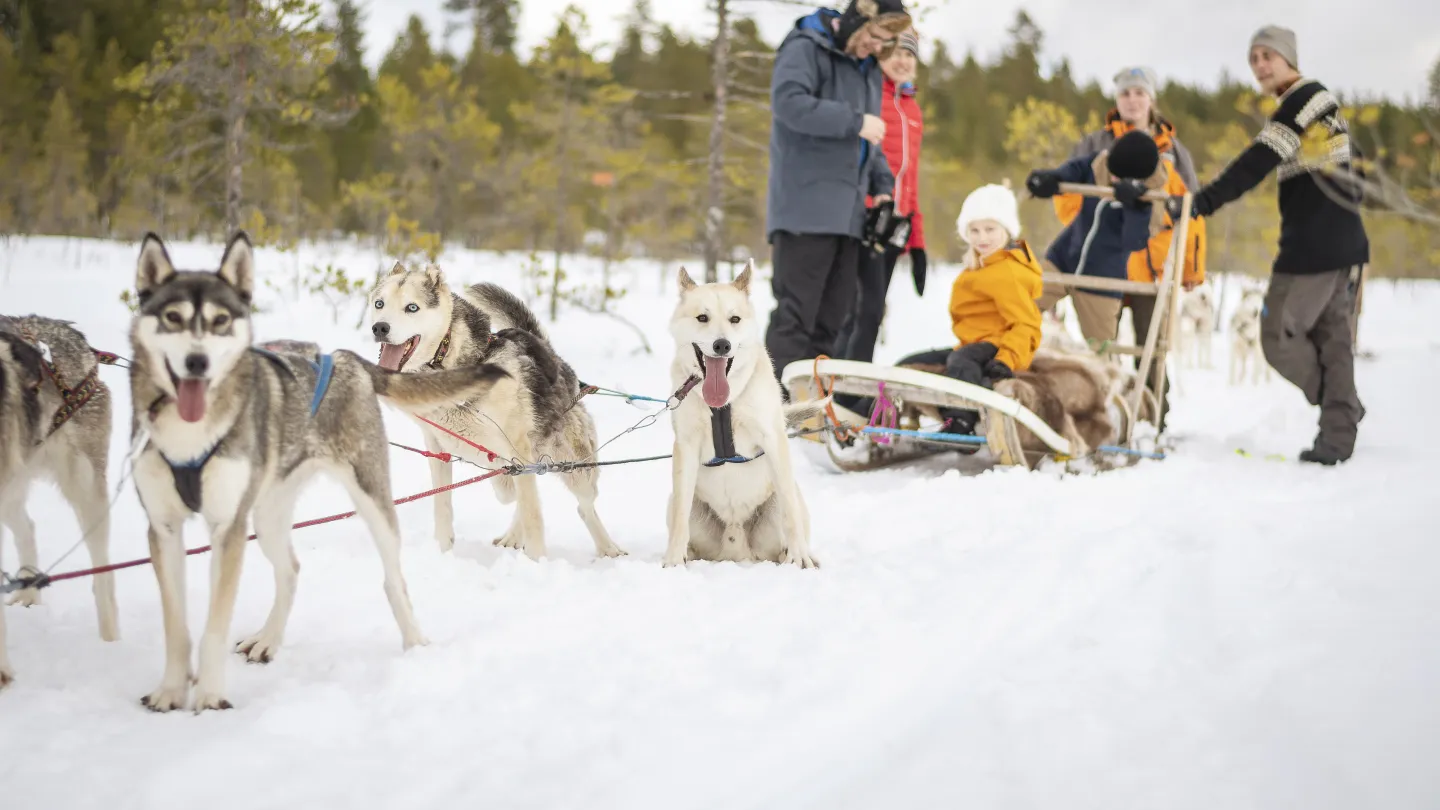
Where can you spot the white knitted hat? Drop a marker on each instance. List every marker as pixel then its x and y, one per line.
pixel 990 202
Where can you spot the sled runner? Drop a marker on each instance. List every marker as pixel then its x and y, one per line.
pixel 898 430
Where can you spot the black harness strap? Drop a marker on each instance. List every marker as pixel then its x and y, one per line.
pixel 724 436
pixel 187 477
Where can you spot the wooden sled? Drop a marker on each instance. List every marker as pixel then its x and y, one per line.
pixel 913 392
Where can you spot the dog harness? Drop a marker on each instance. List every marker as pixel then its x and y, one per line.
pixel 71 399
pixel 723 435
pixel 187 474
pixel 721 431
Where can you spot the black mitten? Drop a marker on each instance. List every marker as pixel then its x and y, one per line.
pixel 967 363
pixel 996 370
pixel 1043 183
pixel 918 266
pixel 1130 192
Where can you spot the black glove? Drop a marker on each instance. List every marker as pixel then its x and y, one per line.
pixel 967 363
pixel 1043 183
pixel 1130 192
pixel 1175 204
pixel 997 370
pixel 918 266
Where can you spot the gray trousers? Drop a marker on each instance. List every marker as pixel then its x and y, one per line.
pixel 1306 335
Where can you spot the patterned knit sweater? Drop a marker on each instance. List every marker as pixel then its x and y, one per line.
pixel 1308 141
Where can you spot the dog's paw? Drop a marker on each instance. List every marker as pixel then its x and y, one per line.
pixel 673 560
pixel 166 699
pixel 446 542
pixel 611 550
pixel 415 639
pixel 801 557
pixel 259 648
pixel 206 701
pixel 30 597
pixel 513 540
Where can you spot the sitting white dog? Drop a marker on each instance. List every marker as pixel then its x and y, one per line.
pixel 1197 322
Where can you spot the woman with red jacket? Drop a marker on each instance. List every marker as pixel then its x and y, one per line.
pixel 903 130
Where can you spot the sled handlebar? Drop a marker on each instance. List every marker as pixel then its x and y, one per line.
pixel 1089 190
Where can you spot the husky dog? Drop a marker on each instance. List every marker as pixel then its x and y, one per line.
pixel 1055 334
pixel 1197 322
pixel 1245 350
pixel 232 432
pixel 422 326
pixel 730 507
pixel 54 423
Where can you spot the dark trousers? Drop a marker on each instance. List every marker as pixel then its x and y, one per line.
pixel 814 288
pixel 1307 337
pixel 862 326
pixel 958 366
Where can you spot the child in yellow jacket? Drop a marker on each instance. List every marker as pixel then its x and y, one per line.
pixel 992 303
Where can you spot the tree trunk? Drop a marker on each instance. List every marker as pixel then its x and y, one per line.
pixel 714 204
pixel 562 201
pixel 235 127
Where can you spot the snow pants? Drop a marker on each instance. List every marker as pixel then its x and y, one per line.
pixel 814 288
pixel 1306 334
pixel 862 326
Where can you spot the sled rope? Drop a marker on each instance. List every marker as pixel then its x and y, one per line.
pixel 885 414
pixel 42 580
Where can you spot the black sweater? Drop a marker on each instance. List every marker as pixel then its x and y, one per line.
pixel 1320 226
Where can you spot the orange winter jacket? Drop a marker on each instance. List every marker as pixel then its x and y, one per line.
pixel 995 303
pixel 1148 265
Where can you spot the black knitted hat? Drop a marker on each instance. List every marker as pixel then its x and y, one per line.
pixel 890 14
pixel 1134 156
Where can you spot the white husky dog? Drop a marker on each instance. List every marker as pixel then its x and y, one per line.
pixel 1245 350
pixel 1197 322
pixel 734 495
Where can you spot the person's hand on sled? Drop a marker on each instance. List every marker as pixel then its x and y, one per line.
pixel 1130 193
pixel 1176 204
pixel 1043 183
pixel 872 129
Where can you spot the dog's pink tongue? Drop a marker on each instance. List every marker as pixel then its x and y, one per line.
pixel 190 399
pixel 717 386
pixel 390 356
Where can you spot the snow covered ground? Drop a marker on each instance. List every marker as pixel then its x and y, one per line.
pixel 1208 631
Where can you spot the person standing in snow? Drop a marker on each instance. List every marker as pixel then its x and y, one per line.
pixel 825 157
pixel 1136 92
pixel 904 129
pixel 1305 327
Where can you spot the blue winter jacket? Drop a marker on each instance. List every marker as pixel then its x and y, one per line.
pixel 820 168
pixel 1100 240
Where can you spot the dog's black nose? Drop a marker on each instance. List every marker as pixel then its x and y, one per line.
pixel 197 364
pixel 721 347
pixel 380 330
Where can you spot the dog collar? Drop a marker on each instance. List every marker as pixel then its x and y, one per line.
pixel 440 352
pixel 680 393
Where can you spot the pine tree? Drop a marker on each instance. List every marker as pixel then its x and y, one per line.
pixel 352 147
pixel 228 76
pixel 576 98
pixel 60 182
pixel 410 56
pixel 1435 85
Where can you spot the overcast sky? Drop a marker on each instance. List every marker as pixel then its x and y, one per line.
pixel 1371 46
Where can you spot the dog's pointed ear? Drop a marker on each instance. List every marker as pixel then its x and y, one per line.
pixel 154 268
pixel 237 267
pixel 742 281
pixel 434 276
pixel 686 283
pixel 398 269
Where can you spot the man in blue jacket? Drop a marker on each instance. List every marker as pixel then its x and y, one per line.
pixel 825 158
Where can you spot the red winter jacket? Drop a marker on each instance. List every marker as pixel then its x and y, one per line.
pixel 904 129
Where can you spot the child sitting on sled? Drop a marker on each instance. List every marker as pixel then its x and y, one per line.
pixel 992 303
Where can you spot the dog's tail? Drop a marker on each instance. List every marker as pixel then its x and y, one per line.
pixel 797 414
pixel 427 388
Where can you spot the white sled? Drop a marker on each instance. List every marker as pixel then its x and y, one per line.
pixel 873 447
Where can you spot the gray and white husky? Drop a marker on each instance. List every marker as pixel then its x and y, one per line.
pixel 745 506
pixel 234 432
pixel 423 327
pixel 54 423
